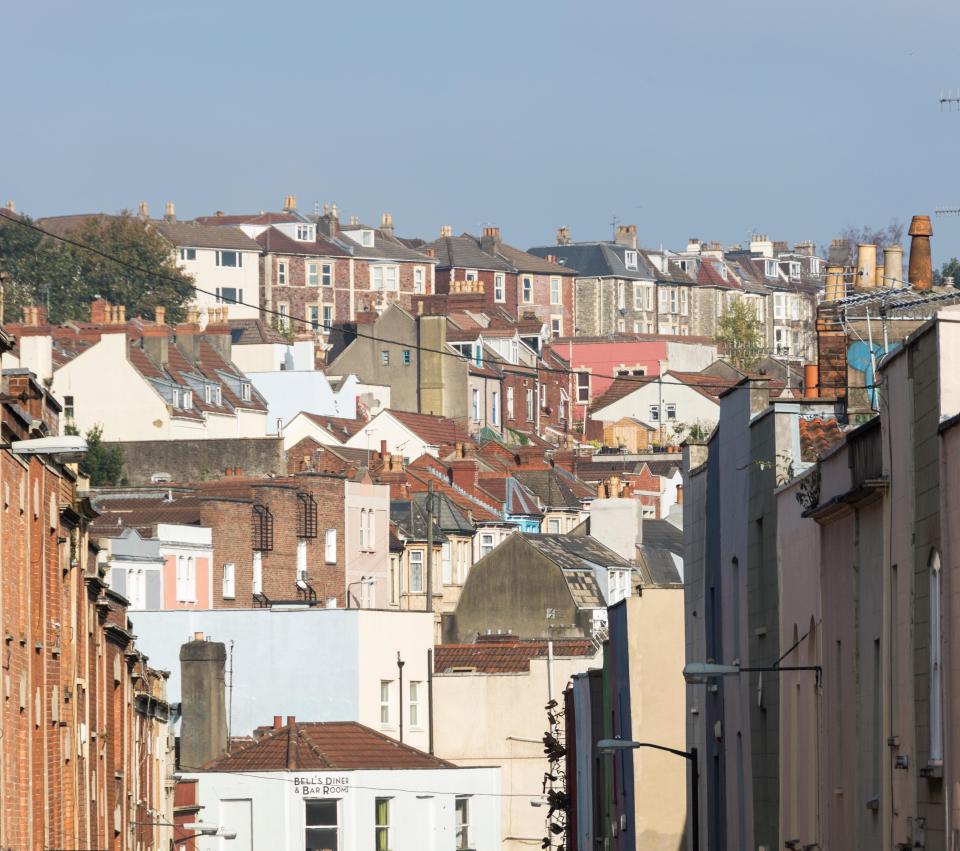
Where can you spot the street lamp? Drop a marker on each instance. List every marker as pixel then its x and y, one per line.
pixel 697 673
pixel 199 828
pixel 616 745
pixel 65 448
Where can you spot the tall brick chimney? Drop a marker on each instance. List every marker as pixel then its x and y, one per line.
pixel 386 223
pixel 490 240
pixel 626 235
pixel 187 336
pixel 170 215
pixel 100 311
pixel 921 267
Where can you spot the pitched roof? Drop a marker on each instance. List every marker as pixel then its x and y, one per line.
pixel 575 552
pixel 319 746
pixel 657 567
pixel 464 252
pixel 274 241
pixel 203 236
pixel 340 427
pixel 431 429
pixel 385 247
pixel 599 260
pixel 248 332
pixel 555 487
pixel 511 656
pixel 248 219
pixel 524 261
pixel 662 534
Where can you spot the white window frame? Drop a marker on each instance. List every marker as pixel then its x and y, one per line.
pixel 313 274
pixel 186 579
pixel 419 277
pixel 416 561
pixel 654 413
pixel 583 387
pixel 330 546
pixel 531 405
pixel 187 254
pixel 509 403
pixel 671 410
pixel 486 543
pixel 301 561
pixel 257 572
pixel 413 709
pixel 475 404
pixel 527 289
pixel 462 823
pixel 648 297
pixel 237 265
pixel 281 273
pixel 446 563
pixel 553 525
pixel 556 326
pixel 470 274
pixel 494 407
pixel 556 290
pixel 630 260
pixel 684 302
pixel 638 290
pixel 327 317
pixel 229 590
pixel 499 287
pixel 326 274
pixel 305 233
pixel 313 316
pixel 385 688
pixel 779 307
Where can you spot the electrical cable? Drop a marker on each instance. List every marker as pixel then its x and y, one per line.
pixel 640 380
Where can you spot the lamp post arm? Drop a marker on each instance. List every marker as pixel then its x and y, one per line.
pixel 675 751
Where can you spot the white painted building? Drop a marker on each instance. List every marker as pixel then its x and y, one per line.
pixel 344 787
pixel 323 664
pixel 408 434
pixel 223 261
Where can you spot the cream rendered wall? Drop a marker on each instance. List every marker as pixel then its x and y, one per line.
pixel 208 276
pixel 252 423
pixel 371 562
pixel 380 636
pixel 302 426
pixel 503 726
pixel 692 406
pixel 108 391
pixel 262 357
pixel 180 428
pixel 658 709
pixel 400 440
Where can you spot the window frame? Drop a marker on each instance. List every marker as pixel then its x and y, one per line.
pixel 228 588
pixel 556 290
pixel 630 259
pixel 238 255
pixel 583 387
pixel 526 289
pixel 499 287
pixel 281 273
pixel 413 704
pixel 188 254
pixel 312 278
pixel 418 586
pixel 381 829
pixel 462 823
pixel 385 686
pixel 330 546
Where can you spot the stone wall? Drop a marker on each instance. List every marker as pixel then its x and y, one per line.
pixel 193 460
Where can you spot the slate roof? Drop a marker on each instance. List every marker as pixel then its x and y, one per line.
pixel 319 746
pixel 248 332
pixel 599 260
pixel 410 517
pixel 202 236
pixel 663 535
pixel 274 241
pixel 464 252
pixel 125 511
pixel 385 247
pixel 512 656
pixel 657 567
pixel 574 552
pixel 524 261
pixel 248 219
pixel 555 487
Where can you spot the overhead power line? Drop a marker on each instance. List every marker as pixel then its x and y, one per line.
pixel 311 325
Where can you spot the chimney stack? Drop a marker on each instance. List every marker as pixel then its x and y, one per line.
pixel 170 214
pixel 277 722
pixel 11 206
pixel 99 311
pixel 835 288
pixel 892 266
pixel 386 223
pixel 203 725
pixel 289 203
pixel 160 314
pixel 866 266
pixel 563 235
pixel 921 267
pixel 490 240
pixel 626 235
pixel 143 211
pixel 446 230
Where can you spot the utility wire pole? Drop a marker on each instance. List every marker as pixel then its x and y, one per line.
pixel 429 546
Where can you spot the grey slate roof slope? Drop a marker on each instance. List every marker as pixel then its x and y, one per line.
pixel 464 252
pixel 524 261
pixel 555 488
pixel 410 516
pixel 598 260
pixel 577 557
pixel 193 235
pixel 657 567
pixel 663 535
pixel 385 247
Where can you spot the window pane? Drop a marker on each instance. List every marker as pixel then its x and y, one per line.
pixel 322 840
pixel 321 812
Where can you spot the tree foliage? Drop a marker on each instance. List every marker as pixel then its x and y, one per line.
pixel 740 335
pixel 949 269
pixel 102 464
pixel 65 278
pixel 852 236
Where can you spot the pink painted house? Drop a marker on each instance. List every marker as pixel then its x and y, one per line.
pixel 598 360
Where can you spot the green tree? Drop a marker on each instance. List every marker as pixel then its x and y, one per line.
pixel 740 335
pixel 102 464
pixel 949 269
pixel 65 278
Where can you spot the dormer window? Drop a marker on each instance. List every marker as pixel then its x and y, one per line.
pixel 771 269
pixel 306 233
pixel 176 398
pixel 187 400
pixel 630 260
pixel 212 394
pixel 246 392
pixel 794 270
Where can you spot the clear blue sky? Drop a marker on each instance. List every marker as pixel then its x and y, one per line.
pixel 700 119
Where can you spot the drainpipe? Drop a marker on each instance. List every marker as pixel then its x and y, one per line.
pixel 400 664
pixel 430 698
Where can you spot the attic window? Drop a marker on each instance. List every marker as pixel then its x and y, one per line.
pixel 245 391
pixel 187 400
pixel 305 233
pixel 771 270
pixel 630 259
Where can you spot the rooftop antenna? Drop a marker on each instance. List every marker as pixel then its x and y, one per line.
pixel 947 211
pixel 950 99
pixel 613 224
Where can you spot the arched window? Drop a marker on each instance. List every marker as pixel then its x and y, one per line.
pixel 936 679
